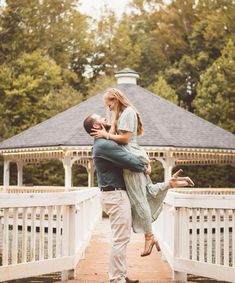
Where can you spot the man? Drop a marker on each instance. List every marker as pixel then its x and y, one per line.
pixel 110 159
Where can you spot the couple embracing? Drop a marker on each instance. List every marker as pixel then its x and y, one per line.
pixel 129 197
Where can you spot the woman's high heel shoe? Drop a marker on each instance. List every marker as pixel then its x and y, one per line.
pixel 152 242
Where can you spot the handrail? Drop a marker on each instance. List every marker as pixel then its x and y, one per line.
pixel 196 232
pixel 55 229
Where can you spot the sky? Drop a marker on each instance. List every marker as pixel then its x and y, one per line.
pixel 93 7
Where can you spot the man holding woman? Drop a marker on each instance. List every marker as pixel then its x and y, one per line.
pixel 133 182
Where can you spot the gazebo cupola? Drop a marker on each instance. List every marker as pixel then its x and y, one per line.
pixel 127 76
pixel 172 135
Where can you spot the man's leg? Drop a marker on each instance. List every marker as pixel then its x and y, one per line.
pixel 116 204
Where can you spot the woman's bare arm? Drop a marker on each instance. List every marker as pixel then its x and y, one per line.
pixel 124 136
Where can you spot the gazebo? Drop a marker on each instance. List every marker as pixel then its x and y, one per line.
pixel 196 233
pixel 172 135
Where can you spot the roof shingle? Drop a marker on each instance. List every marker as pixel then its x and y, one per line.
pixel 165 125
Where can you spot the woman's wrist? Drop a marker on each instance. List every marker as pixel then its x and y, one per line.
pixel 108 136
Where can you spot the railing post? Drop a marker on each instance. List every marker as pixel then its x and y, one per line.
pixel 177 276
pixel 69 239
pixel 6 174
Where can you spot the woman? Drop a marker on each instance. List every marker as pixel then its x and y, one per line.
pixel 145 205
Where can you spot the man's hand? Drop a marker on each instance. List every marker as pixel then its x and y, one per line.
pixel 178 182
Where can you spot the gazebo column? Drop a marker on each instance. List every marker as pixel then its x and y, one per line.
pixel 168 164
pixel 19 173
pixel 67 163
pixel 168 167
pixel 90 171
pixel 6 174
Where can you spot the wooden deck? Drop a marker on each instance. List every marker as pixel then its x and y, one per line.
pixel 93 269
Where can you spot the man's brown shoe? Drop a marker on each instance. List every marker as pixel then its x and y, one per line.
pixel 131 281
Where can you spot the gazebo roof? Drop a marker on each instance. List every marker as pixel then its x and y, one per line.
pixel 166 125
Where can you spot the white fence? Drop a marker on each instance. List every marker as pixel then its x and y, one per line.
pixel 45 232
pixel 196 233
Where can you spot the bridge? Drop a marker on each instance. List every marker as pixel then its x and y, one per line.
pixel 46 230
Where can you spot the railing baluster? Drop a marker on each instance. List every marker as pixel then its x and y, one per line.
pixel 226 238
pixel 202 236
pixel 194 234
pixel 5 236
pixel 41 235
pixel 65 231
pixel 183 244
pixel 217 238
pixel 58 231
pixel 187 233
pixel 24 234
pixel 15 237
pixel 233 238
pixel 209 236
pixel 50 232
pixel 33 234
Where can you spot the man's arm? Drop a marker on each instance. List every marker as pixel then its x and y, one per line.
pixel 113 152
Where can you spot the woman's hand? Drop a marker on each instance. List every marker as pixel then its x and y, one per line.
pixel 148 170
pixel 101 133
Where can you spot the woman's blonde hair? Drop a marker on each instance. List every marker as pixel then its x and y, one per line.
pixel 114 94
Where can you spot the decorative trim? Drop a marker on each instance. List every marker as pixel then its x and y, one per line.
pixel 182 156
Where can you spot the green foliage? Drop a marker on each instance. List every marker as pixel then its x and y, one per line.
pixel 216 93
pixel 210 176
pixel 163 89
pixel 62 99
pixel 23 85
pixel 55 27
pixel 47 47
pixel 47 173
pixel 157 174
pixel 101 84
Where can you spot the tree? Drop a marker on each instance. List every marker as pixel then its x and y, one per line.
pixel 59 100
pixel 163 89
pixel 102 83
pixel 127 52
pixel 216 92
pixel 23 85
pixel 56 27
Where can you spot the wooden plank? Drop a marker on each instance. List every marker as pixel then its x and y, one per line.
pixel 24 234
pixel 233 237
pixel 15 237
pixel 217 237
pixel 41 233
pixel 50 232
pixel 33 235
pixel 194 234
pixel 58 231
pixel 226 237
pixel 209 236
pixel 202 236
pixel 5 236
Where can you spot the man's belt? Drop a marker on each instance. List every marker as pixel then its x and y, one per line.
pixel 110 188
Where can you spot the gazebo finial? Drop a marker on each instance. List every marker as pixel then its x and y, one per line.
pixel 126 76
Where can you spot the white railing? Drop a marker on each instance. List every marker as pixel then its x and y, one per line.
pixel 37 189
pixel 45 232
pixel 196 231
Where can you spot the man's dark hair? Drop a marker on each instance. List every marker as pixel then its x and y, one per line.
pixel 88 123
